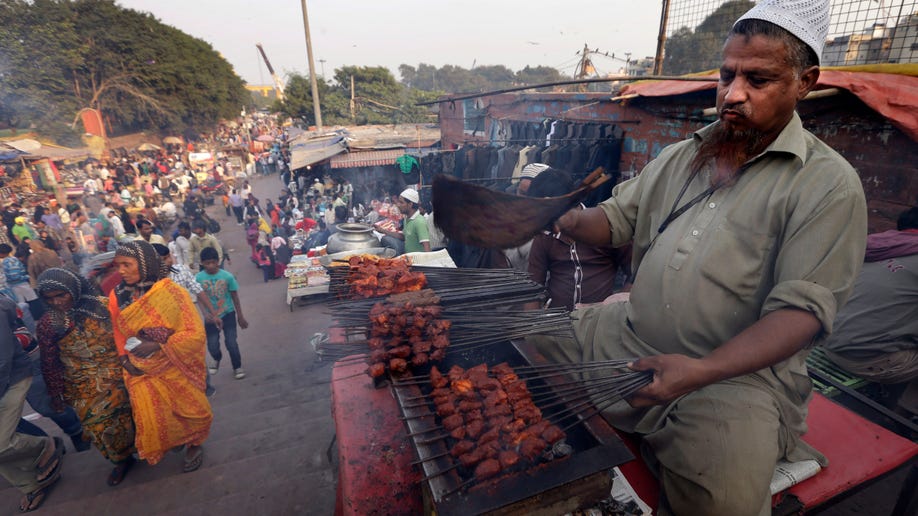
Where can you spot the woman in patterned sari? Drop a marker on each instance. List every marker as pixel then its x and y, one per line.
pixel 81 368
pixel 165 372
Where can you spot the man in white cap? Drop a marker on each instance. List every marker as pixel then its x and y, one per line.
pixel 747 239
pixel 528 173
pixel 519 256
pixel 415 233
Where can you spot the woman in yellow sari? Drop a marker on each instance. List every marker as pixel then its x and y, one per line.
pixel 164 363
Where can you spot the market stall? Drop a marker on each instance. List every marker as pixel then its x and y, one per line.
pixel 474 420
pixel 306 277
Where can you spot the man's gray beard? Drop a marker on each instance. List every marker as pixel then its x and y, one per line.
pixel 729 148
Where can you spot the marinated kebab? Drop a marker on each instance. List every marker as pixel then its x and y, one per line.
pixel 403 335
pixel 372 276
pixel 492 418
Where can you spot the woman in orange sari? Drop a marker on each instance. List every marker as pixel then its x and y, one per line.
pixel 164 363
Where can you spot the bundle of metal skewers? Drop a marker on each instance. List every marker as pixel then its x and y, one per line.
pixel 483 286
pixel 501 419
pixel 400 335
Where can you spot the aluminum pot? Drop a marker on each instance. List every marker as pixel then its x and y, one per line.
pixel 350 236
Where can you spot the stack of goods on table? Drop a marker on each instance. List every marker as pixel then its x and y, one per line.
pixel 304 272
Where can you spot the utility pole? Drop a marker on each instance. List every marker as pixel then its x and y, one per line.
pixel 312 70
pixel 353 104
pixel 661 40
pixel 583 67
pixel 322 64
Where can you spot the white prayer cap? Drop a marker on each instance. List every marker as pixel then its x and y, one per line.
pixel 533 169
pixel 806 19
pixel 411 194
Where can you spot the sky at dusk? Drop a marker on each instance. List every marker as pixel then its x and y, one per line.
pixel 514 33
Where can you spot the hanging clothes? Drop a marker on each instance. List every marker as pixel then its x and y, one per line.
pixel 407 163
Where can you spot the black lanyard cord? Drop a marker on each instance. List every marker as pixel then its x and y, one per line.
pixel 676 213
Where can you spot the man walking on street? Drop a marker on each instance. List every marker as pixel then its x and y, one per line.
pixel 201 240
pixel 237 203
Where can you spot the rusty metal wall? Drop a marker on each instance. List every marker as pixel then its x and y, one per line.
pixel 885 158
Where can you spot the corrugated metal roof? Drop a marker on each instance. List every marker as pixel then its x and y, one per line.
pixel 366 158
pixel 301 156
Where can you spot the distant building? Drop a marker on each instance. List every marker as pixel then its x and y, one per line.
pixel 264 90
pixel 904 44
pixel 877 44
pixel 640 67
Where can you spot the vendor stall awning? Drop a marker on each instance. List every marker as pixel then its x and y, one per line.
pixel 59 153
pixel 32 150
pixel 314 151
pixel 367 158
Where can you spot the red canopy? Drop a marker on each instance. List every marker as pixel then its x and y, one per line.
pixel 892 95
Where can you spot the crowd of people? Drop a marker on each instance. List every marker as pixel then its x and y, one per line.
pixel 111 301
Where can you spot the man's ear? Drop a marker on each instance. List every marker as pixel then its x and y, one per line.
pixel 808 80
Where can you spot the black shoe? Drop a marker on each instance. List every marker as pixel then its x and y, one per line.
pixel 79 443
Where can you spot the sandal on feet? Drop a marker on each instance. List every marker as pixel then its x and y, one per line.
pixel 32 501
pixel 52 464
pixel 194 462
pixel 120 471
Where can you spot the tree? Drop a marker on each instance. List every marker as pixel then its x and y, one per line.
pixel 376 91
pixel 538 75
pixel 298 103
pixel 455 79
pixel 37 44
pixel 689 51
pixel 59 56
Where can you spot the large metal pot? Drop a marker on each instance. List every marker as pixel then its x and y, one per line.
pixel 352 236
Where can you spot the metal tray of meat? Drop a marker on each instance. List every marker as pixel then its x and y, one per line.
pixel 558 486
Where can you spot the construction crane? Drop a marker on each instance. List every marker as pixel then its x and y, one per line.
pixel 278 85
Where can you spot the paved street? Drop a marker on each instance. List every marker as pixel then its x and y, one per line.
pixel 267 452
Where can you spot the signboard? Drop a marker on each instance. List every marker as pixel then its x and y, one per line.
pixel 204 159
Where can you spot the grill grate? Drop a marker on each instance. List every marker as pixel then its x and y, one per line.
pixel 583 471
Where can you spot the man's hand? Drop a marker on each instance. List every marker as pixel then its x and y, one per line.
pixel 243 323
pixel 673 376
pixel 568 221
pixel 131 368
pixel 145 349
pixel 216 321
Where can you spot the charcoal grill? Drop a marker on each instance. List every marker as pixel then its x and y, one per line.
pixel 555 486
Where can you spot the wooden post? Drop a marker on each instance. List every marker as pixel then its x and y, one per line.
pixel 661 40
pixel 353 104
pixel 312 70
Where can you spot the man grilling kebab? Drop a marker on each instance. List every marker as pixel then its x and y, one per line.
pixel 747 240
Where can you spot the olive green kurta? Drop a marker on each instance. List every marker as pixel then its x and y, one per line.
pixel 789 233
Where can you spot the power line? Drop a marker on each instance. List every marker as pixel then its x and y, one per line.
pixel 613 78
